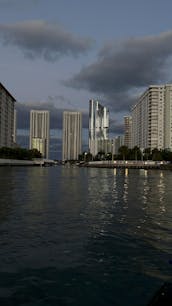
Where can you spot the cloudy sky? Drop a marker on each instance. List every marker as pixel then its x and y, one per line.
pixel 58 54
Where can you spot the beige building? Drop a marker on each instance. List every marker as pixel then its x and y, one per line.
pixel 152 118
pixel 39 131
pixel 7 118
pixel 72 135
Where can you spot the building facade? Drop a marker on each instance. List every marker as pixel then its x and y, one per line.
pixel 72 135
pixel 152 118
pixel 98 126
pixel 128 131
pixel 39 131
pixel 118 142
pixel 7 118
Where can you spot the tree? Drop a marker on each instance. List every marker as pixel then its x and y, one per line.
pixel 156 155
pixel 147 153
pixel 100 156
pixel 123 152
pixel 19 153
pixel 108 156
pixel 136 153
pixel 166 155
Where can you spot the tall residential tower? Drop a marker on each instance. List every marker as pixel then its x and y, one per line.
pixel 39 131
pixel 7 118
pixel 98 126
pixel 72 135
pixel 152 118
pixel 128 131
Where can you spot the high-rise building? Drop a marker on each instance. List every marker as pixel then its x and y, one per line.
pixel 128 131
pixel 39 131
pixel 118 142
pixel 15 128
pixel 72 135
pixel 7 111
pixel 98 125
pixel 152 118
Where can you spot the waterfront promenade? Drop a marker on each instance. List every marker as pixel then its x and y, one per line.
pixel 16 162
pixel 133 164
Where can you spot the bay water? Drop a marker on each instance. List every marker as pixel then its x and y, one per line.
pixel 84 236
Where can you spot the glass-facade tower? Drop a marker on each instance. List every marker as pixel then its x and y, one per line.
pixel 98 125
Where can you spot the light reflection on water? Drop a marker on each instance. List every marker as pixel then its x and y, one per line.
pixel 109 230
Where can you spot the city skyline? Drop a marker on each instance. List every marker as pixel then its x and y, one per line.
pixel 66 55
pixel 149 126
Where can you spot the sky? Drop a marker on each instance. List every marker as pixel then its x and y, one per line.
pixel 58 54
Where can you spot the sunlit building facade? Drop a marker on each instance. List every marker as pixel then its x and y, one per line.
pixel 98 126
pixel 39 131
pixel 152 118
pixel 7 118
pixel 72 135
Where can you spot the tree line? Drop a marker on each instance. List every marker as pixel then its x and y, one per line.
pixel 19 153
pixel 125 153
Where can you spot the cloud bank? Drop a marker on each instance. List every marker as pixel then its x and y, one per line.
pixel 123 68
pixel 56 115
pixel 38 38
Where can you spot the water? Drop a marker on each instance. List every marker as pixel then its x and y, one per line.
pixel 78 236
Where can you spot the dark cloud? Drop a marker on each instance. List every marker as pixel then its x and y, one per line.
pixel 124 68
pixel 116 128
pixel 38 38
pixel 56 115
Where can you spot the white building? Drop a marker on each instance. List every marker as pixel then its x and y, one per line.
pixel 152 118
pixel 118 142
pixel 7 118
pixel 98 125
pixel 39 131
pixel 72 135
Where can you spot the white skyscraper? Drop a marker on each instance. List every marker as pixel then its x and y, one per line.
pixel 98 125
pixel 7 118
pixel 72 135
pixel 39 131
pixel 152 118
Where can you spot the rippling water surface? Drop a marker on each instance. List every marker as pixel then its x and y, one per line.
pixel 77 236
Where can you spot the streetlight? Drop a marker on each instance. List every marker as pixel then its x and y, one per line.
pixel 85 156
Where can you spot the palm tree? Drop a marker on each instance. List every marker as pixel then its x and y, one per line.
pixel 123 151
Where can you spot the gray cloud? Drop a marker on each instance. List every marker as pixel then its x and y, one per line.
pixel 38 38
pixel 116 128
pixel 56 115
pixel 124 68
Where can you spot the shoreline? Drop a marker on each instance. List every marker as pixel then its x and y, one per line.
pixel 128 165
pixel 18 162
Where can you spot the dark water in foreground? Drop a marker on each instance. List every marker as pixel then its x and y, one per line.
pixel 71 236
